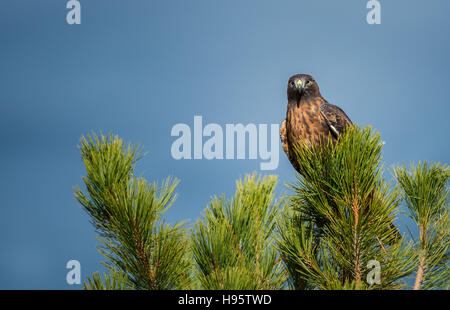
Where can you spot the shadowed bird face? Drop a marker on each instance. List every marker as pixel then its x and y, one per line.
pixel 301 86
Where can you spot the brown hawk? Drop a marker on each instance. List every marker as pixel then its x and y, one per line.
pixel 309 117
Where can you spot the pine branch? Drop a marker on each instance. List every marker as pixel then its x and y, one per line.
pixel 426 195
pixel 115 280
pixel 233 243
pixel 127 213
pixel 342 216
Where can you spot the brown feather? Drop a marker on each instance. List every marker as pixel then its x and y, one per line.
pixel 309 118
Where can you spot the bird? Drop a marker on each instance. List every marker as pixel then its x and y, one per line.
pixel 309 117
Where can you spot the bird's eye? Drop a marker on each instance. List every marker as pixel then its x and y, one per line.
pixel 309 83
pixel 291 83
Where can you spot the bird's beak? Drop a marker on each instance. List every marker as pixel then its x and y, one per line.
pixel 299 85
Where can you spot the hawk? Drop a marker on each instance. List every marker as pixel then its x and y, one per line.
pixel 309 117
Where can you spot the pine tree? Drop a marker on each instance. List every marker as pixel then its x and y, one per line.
pixel 233 244
pixel 141 250
pixel 340 223
pixel 335 231
pixel 426 195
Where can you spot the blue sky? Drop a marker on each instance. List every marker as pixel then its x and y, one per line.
pixel 137 68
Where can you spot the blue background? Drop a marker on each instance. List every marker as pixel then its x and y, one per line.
pixel 136 68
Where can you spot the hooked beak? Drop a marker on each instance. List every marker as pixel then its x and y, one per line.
pixel 299 85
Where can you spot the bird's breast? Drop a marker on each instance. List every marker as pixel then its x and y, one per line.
pixel 305 122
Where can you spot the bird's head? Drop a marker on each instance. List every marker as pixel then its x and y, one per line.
pixel 301 86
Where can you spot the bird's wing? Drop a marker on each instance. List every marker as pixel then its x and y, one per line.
pixel 336 119
pixel 283 137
